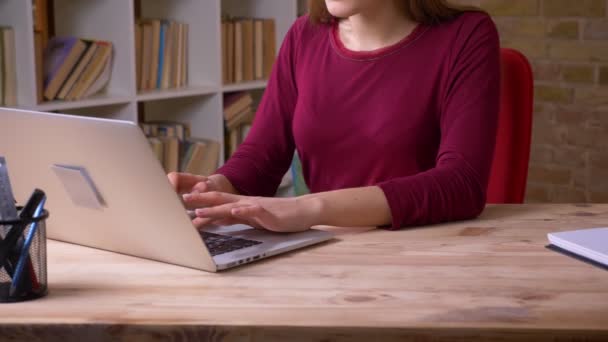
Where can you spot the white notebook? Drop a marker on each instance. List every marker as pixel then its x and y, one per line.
pixel 589 243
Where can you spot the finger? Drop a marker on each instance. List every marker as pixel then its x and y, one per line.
pixel 205 186
pixel 208 199
pixel 201 223
pixel 218 212
pixel 183 182
pixel 247 211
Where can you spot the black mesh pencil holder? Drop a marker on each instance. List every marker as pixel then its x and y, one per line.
pixel 23 274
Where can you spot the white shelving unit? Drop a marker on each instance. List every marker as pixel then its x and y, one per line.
pixel 199 104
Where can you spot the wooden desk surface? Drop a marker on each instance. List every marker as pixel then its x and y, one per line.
pixel 490 278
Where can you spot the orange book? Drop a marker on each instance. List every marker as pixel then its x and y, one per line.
pixel 184 67
pixel 146 56
pixel 61 57
pixel 258 49
pixel 269 41
pixel 248 56
pixel 78 70
pixel 153 75
pixel 224 52
pixel 238 51
pixel 95 67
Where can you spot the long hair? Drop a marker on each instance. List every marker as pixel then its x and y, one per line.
pixel 421 11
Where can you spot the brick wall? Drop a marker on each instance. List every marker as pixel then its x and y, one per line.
pixel 567 44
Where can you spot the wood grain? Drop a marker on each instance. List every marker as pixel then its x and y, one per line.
pixel 489 278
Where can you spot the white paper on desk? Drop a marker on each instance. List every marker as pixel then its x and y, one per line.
pixel 79 186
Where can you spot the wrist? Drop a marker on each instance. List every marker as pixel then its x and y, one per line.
pixel 312 205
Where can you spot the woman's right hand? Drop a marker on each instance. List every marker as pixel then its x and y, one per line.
pixel 185 183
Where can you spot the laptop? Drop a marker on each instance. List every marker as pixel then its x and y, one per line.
pixel 590 244
pixel 106 189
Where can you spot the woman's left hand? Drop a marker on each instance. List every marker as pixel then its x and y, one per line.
pixel 292 214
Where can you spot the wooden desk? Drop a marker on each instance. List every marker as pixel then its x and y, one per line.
pixel 489 278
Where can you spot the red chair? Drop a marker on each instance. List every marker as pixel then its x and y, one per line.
pixel 509 171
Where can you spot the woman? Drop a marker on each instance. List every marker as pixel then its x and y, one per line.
pixel 392 107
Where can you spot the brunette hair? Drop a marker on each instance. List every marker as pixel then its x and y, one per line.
pixel 421 11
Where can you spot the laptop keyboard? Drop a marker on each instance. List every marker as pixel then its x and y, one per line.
pixel 220 244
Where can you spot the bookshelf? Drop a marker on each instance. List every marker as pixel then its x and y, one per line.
pixel 199 104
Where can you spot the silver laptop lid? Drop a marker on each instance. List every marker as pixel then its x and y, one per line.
pixel 139 213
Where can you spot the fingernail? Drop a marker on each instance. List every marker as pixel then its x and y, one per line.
pixel 186 196
pixel 200 212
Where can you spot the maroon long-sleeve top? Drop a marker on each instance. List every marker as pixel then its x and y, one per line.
pixel 417 119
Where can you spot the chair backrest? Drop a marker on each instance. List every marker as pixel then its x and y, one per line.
pixel 509 172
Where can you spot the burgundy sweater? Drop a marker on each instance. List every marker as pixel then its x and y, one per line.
pixel 417 119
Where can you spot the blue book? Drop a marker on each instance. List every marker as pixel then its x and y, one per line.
pixel 161 52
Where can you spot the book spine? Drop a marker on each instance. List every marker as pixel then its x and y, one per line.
pixel 161 55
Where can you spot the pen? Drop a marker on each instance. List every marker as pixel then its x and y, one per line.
pixel 24 256
pixel 14 235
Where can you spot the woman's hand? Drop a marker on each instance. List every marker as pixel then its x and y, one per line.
pixel 276 214
pixel 184 183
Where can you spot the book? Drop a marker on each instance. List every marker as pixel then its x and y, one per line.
pixel 168 60
pixel 93 70
pixel 170 153
pixel 37 15
pixel 238 52
pixel 61 56
pixel 269 42
pixel 102 80
pixel 150 130
pixel 258 49
pixel 41 13
pixel 10 67
pixel 75 74
pixel 210 157
pixel 224 39
pixel 245 131
pixel 162 42
pixel 184 65
pixel 194 158
pixel 248 54
pixel 233 141
pixel 185 152
pixel 167 129
pixel 202 156
pixel 146 57
pixel 178 32
pixel 591 244
pixel 243 117
pixel 235 103
pixel 157 147
pixel 154 54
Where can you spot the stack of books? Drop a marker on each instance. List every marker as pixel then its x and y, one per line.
pixel 238 115
pixel 177 151
pixel 161 49
pixel 248 49
pixel 8 68
pixel 76 68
